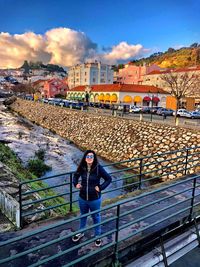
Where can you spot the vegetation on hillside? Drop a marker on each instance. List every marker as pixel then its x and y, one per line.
pixel 174 58
pixel 28 66
pixel 37 165
pixel 10 159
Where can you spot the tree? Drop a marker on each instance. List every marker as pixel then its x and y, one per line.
pixel 25 88
pixel 26 67
pixel 182 85
pixel 194 45
pixel 171 50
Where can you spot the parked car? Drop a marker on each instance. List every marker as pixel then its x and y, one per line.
pixel 77 105
pixel 134 109
pixel 64 103
pixel 165 112
pixel 154 110
pixel 105 105
pixel 181 112
pixel 29 97
pixel 44 100
pixel 193 115
pixel 146 110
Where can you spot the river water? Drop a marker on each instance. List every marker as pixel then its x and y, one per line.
pixel 27 138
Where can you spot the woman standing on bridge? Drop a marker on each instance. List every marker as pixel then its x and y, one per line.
pixel 90 172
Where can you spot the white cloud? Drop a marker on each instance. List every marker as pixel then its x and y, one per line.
pixel 68 47
pixel 14 49
pixel 61 46
pixel 124 51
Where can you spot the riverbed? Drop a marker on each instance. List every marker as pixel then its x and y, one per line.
pixel 26 138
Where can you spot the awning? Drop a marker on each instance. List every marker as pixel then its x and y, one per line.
pixel 101 97
pixel 113 98
pixel 107 98
pixel 147 98
pixel 127 99
pixel 137 99
pixel 155 99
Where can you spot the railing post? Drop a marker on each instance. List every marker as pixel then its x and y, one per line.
pixel 186 160
pixel 163 252
pixel 192 200
pixel 20 206
pixel 116 261
pixel 140 175
pixel 71 197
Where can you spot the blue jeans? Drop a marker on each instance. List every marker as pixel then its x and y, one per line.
pixel 90 205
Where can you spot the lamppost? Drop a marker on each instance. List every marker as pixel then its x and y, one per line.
pixel 151 107
pixel 87 95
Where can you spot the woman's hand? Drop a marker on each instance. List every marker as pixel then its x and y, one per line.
pixel 97 189
pixel 78 186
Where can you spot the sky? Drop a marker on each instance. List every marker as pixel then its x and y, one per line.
pixel 70 32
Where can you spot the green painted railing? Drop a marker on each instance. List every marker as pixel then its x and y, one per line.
pixel 182 205
pixel 140 173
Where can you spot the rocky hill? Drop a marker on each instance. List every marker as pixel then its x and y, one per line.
pixel 172 58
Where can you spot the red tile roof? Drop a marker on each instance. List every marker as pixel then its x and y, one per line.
pixel 175 70
pixel 38 81
pixel 120 88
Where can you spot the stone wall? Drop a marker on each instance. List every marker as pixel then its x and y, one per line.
pixel 9 198
pixel 10 207
pixel 115 139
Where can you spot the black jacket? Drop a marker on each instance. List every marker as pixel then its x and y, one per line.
pixel 91 179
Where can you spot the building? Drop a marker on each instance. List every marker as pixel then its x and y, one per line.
pixel 89 74
pixel 139 95
pixel 54 87
pixel 155 78
pixel 132 74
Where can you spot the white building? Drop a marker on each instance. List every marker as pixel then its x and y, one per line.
pixel 89 74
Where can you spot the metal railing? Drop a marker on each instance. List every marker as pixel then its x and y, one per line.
pixel 124 224
pixel 139 173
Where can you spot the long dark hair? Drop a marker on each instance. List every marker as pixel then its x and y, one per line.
pixel 83 163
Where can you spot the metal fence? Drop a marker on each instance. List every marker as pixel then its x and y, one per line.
pixel 136 173
pixel 124 223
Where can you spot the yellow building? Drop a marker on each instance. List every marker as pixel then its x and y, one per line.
pixel 139 95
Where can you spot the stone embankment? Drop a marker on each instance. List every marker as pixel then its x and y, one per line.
pixel 116 139
pixel 9 197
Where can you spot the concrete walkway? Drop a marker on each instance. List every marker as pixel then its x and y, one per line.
pixel 191 259
pixel 138 228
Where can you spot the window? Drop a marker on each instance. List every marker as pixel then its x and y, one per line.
pixel 94 80
pixel 85 73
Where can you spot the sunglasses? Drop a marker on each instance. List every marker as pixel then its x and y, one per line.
pixel 89 157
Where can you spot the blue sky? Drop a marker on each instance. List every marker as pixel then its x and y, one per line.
pixel 156 25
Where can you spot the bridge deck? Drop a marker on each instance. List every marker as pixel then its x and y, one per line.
pixel 139 229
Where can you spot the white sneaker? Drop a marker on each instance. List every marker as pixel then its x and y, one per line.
pixel 98 242
pixel 77 237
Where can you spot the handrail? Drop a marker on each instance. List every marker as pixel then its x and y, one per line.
pixel 187 210
pixel 140 176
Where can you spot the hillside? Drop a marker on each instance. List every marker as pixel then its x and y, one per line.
pixel 183 57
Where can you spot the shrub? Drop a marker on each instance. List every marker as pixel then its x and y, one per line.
pixel 40 154
pixel 38 167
